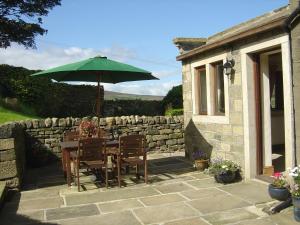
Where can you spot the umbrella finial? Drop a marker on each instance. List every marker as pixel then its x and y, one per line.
pixel 100 56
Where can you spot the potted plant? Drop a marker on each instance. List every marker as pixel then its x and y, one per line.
pixel 294 186
pixel 224 171
pixel 278 189
pixel 200 160
pixel 87 128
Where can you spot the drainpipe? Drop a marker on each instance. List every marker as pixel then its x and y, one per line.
pixel 295 9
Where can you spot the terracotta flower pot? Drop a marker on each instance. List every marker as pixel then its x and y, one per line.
pixel 201 164
pixel 280 194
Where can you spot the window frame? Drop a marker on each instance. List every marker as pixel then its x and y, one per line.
pixel 208 63
pixel 215 82
pixel 198 72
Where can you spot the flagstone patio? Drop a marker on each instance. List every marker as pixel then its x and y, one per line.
pixel 176 195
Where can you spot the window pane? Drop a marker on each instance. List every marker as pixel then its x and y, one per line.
pixel 203 91
pixel 219 92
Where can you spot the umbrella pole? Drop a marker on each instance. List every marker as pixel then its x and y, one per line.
pixel 98 101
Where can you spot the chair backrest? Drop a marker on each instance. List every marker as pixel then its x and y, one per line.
pixel 101 133
pixel 71 136
pixel 91 149
pixel 132 145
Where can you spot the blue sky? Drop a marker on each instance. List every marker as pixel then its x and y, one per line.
pixel 137 32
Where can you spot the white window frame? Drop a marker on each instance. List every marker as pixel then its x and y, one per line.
pixel 210 70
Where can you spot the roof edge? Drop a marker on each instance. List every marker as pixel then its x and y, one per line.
pixel 279 22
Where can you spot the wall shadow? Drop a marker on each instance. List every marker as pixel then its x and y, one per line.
pixel 9 214
pixel 195 141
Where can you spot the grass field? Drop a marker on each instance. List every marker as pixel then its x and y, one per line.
pixel 7 115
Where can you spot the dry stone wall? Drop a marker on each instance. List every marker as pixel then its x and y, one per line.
pixel 162 133
pixel 39 139
pixel 12 154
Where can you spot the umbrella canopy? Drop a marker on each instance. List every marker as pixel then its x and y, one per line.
pixel 97 69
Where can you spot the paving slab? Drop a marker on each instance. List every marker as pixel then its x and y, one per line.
pixel 254 192
pixel 204 183
pixel 36 194
pixel 284 218
pixel 217 203
pixel 202 193
pixel 200 175
pixel 118 218
pixel 258 221
pixel 162 199
pixel 119 205
pixel 176 187
pixel 84 198
pixel 34 204
pixel 231 216
pixel 72 212
pixel 164 213
pixel 21 218
pixel 192 221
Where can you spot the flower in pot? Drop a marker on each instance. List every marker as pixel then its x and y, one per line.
pixel 293 180
pixel 87 128
pixel 279 188
pixel 224 171
pixel 201 160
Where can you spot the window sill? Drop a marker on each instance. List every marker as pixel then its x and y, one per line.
pixel 211 119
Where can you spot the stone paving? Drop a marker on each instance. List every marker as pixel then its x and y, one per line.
pixel 176 195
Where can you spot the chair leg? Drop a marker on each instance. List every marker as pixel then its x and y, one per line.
pixel 146 172
pixel 77 173
pixel 119 172
pixel 106 176
pixel 137 171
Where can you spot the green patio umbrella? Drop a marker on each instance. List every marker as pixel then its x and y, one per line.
pixel 98 69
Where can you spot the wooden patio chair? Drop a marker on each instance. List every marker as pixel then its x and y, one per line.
pixel 91 154
pixel 69 136
pixel 101 133
pixel 132 153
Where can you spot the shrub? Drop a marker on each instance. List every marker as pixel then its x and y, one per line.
pixel 174 112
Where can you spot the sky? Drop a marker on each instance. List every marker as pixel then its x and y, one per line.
pixel 137 32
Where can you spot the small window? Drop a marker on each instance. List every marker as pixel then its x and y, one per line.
pixel 201 91
pixel 219 88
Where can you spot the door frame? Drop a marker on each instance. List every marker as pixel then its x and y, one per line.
pixel 250 131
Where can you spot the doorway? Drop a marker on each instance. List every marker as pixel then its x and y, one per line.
pixel 269 112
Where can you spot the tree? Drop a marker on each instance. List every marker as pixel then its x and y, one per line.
pixel 14 25
pixel 173 99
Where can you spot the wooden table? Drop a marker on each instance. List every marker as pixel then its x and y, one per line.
pixel 112 148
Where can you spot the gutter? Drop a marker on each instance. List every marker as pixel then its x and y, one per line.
pixel 279 22
pixel 288 24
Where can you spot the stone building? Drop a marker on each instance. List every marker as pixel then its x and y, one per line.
pixel 241 92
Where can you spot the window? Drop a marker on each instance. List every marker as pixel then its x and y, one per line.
pixel 201 91
pixel 219 103
pixel 276 91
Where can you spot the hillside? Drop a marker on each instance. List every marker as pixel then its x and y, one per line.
pixel 111 95
pixel 7 115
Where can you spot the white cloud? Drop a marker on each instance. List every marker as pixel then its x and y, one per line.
pixel 167 73
pixel 147 88
pixel 52 56
pixel 55 56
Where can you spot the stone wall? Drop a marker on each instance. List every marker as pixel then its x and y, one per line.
pixel 12 154
pixel 295 47
pixel 162 133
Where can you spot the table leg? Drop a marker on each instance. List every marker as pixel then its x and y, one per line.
pixel 68 165
pixel 63 161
